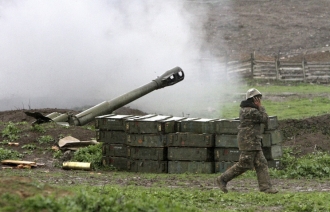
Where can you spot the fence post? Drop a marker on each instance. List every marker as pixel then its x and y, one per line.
pixel 252 63
pixel 303 68
pixel 276 68
pixel 226 64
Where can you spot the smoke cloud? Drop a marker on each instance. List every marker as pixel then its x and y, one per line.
pixel 65 54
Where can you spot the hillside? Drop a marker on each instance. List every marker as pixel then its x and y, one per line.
pixel 239 28
pixel 267 27
pixel 289 28
pixel 304 136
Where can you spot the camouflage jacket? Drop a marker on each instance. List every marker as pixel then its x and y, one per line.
pixel 249 135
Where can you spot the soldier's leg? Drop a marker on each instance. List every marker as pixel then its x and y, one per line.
pixel 261 167
pixel 245 163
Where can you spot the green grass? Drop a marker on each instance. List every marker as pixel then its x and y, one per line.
pixel 301 88
pixel 298 108
pixel 108 195
pixel 44 139
pixel 132 198
pixel 63 195
pixel 292 108
pixel 156 197
pixel 6 154
pixel 11 131
pixel 313 100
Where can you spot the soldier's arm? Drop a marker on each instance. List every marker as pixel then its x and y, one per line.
pixel 259 116
pixel 263 118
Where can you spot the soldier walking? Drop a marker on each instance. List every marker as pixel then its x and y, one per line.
pixel 249 137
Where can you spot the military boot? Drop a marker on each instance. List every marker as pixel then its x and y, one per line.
pixel 270 191
pixel 222 184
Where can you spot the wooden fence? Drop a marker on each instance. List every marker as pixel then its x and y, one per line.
pixel 304 71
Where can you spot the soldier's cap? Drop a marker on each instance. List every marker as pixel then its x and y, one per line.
pixel 252 92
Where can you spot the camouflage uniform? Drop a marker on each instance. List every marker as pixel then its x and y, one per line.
pixel 250 144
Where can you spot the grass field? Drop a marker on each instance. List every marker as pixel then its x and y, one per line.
pixel 287 102
pixel 35 196
pixel 34 190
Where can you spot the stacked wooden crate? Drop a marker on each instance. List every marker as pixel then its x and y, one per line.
pixel 272 139
pixel 166 144
pixel 191 149
pixel 226 152
pixel 135 143
pixel 146 140
pixel 111 132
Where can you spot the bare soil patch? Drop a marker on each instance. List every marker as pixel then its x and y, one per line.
pixel 268 27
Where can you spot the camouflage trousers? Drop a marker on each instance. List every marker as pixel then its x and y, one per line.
pixel 247 161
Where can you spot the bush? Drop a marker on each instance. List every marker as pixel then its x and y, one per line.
pixel 11 131
pixel 91 154
pixel 6 154
pixel 314 165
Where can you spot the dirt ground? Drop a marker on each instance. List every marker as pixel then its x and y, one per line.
pixel 82 133
pixel 285 27
pixel 305 136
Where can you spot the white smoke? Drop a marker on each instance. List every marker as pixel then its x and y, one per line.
pixel 64 54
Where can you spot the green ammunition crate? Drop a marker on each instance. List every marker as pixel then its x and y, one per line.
pixel 271 137
pixel 170 125
pixel 111 137
pixel 179 123
pixel 147 153
pixel 120 163
pixel 223 166
pixel 99 120
pixel 111 122
pixel 276 164
pixel 198 126
pixel 147 166
pixel 114 150
pixel 226 154
pixel 272 123
pixel 227 126
pixel 272 153
pixel 262 128
pixel 190 139
pixel 196 167
pixel 190 153
pixel 226 140
pixel 147 140
pixel 147 125
pixel 232 154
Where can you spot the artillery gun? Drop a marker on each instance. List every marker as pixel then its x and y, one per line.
pixel 169 78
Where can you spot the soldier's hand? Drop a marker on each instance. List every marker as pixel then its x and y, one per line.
pixel 257 101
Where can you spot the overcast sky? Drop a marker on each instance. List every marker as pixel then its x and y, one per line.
pixel 64 54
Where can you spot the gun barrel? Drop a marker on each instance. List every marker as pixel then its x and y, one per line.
pixel 169 78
